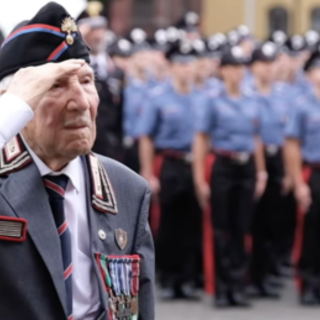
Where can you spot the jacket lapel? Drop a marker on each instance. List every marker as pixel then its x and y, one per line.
pixel 29 201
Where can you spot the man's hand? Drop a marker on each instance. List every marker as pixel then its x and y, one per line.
pixel 203 193
pixel 32 83
pixel 303 196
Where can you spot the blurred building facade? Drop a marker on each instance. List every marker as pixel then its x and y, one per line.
pixel 148 14
pixel 262 16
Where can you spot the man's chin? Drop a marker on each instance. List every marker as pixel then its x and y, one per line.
pixel 78 148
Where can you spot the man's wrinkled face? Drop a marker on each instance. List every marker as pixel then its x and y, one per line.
pixel 64 121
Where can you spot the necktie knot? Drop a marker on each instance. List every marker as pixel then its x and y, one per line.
pixel 56 185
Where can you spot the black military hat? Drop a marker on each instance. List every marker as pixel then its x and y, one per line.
pixel 279 37
pixel 173 35
pixel 215 45
pixel 50 36
pixel 244 32
pixel 121 47
pixel 181 51
pixel 138 38
pixel 233 38
pixel 93 15
pixel 313 61
pixel 189 22
pixel 312 39
pixel 233 56
pixel 295 45
pixel 159 41
pixel 265 52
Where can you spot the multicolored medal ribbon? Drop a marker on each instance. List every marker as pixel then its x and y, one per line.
pixel 121 278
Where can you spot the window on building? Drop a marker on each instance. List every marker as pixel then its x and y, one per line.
pixel 143 13
pixel 278 19
pixel 315 19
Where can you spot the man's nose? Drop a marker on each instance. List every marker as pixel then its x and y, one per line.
pixel 78 98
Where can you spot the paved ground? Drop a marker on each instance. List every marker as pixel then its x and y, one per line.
pixel 285 309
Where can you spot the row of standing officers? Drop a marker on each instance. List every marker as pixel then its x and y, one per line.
pixel 257 111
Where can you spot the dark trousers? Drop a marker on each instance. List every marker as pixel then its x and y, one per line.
pixel 179 235
pixel 309 263
pixel 232 204
pixel 268 223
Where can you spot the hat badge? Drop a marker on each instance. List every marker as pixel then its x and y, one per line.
pixel 69 26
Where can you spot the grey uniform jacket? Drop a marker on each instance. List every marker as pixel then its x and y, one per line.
pixel 31 274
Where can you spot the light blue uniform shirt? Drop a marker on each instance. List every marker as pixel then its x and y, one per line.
pixel 274 109
pixel 304 125
pixel 232 123
pixel 168 117
pixel 134 97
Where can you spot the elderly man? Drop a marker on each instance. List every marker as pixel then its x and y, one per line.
pixel 74 236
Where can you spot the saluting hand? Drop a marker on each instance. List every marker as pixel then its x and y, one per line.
pixel 32 83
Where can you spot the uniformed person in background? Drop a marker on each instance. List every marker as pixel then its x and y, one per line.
pixel 268 223
pixel 166 128
pixel 189 25
pixel 303 161
pixel 138 85
pixel 109 82
pixel 120 51
pixel 205 66
pixel 160 45
pixel 230 119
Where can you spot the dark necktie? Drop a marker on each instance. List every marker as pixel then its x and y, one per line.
pixel 56 186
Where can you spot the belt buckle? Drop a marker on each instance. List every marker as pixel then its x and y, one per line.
pixel 242 157
pixel 271 149
pixel 128 142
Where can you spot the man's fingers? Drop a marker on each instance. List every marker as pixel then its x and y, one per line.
pixel 68 67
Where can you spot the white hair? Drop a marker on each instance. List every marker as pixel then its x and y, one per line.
pixel 5 82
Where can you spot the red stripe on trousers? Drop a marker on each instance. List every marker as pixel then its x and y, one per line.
pixel 298 241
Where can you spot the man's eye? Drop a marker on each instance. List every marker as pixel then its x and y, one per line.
pixel 86 80
pixel 56 86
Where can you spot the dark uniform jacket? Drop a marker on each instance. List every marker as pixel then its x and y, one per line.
pixel 31 273
pixel 110 115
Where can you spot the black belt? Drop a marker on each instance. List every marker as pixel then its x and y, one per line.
pixel 237 157
pixel 174 154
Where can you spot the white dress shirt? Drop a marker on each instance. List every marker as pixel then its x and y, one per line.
pixel 14 115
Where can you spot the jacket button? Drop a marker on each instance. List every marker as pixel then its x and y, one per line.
pixel 102 235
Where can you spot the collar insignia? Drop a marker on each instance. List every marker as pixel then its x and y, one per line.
pixel 103 198
pixel 69 26
pixel 14 156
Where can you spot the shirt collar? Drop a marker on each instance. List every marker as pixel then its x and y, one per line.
pixel 72 170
